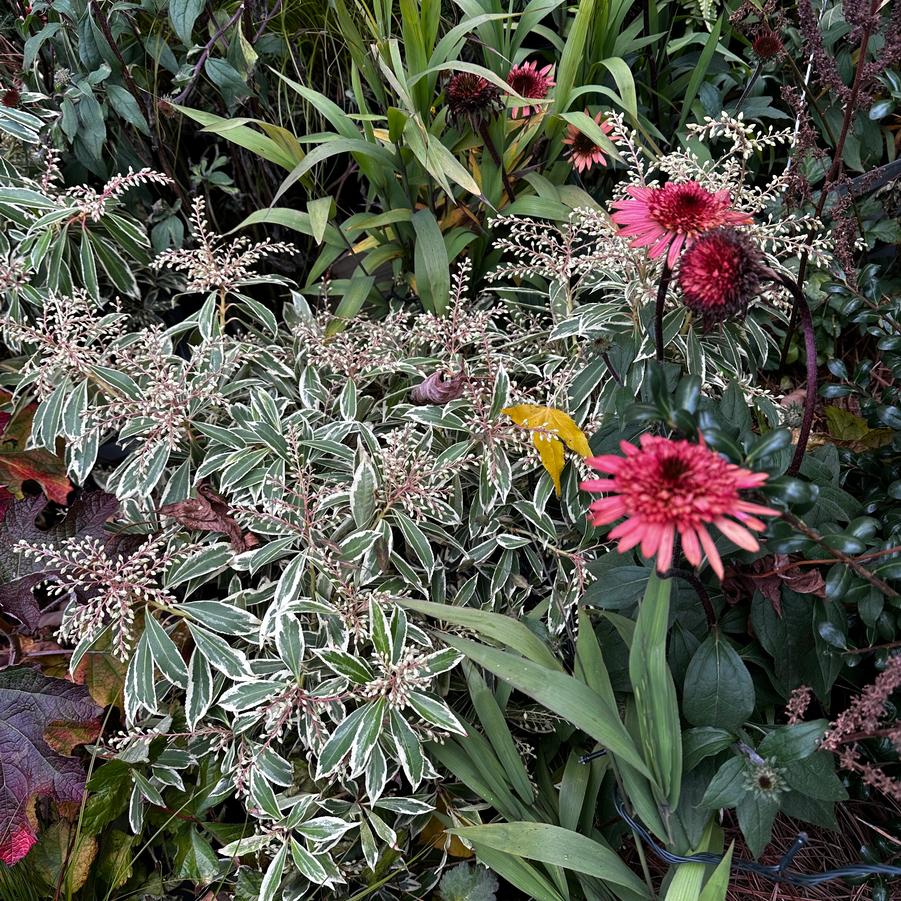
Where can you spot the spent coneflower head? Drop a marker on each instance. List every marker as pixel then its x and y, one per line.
pixel 670 217
pixel 11 97
pixel 766 43
pixel 583 152
pixel 529 81
pixel 666 488
pixel 719 275
pixel 472 99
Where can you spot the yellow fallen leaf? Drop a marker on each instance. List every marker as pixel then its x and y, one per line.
pixel 551 429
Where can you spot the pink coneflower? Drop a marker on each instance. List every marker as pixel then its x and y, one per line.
pixel 471 98
pixel 583 152
pixel 673 216
pixel 719 274
pixel 667 487
pixel 530 81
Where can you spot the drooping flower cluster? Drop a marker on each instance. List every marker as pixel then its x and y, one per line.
pixel 171 390
pixel 90 204
pixel 70 337
pixel 107 588
pixel 215 264
pixel 413 478
pixel 667 488
pixel 869 715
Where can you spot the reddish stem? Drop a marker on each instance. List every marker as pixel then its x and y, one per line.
pixel 810 349
pixel 658 313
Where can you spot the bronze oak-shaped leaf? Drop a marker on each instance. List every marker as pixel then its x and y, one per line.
pixel 551 429
pixel 41 721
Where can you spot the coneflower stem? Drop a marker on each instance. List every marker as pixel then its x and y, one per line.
pixel 810 350
pixel 498 160
pixel 700 591
pixel 789 334
pixel 658 313
pixel 608 363
pixel 751 82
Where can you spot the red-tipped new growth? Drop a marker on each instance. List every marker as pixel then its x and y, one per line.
pixel 719 275
pixel 529 81
pixel 666 488
pixel 670 218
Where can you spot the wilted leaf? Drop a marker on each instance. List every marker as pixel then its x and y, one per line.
pixel 436 389
pixel 851 431
pixel 41 720
pixel 551 429
pixel 434 833
pixel 64 858
pixel 102 673
pixel 768 575
pixel 208 512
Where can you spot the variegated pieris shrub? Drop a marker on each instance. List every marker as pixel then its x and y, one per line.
pixel 290 494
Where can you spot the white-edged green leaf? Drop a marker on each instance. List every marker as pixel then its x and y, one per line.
pixel 220 654
pixel 362 492
pixel 165 654
pixel 205 562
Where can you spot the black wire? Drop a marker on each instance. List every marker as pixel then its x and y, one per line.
pixel 779 872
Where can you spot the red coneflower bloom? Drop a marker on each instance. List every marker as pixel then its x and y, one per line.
pixel 472 98
pixel 530 81
pixel 668 487
pixel 583 152
pixel 767 44
pixel 719 274
pixel 673 216
pixel 11 97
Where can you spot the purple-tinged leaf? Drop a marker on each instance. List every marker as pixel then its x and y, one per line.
pixel 41 721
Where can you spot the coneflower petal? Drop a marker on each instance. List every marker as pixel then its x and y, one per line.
pixel 666 487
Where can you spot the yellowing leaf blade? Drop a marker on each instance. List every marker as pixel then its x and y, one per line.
pixel 551 429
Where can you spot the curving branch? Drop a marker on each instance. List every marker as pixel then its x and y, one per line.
pixel 810 349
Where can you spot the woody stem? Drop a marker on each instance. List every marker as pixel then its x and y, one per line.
pixel 810 350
